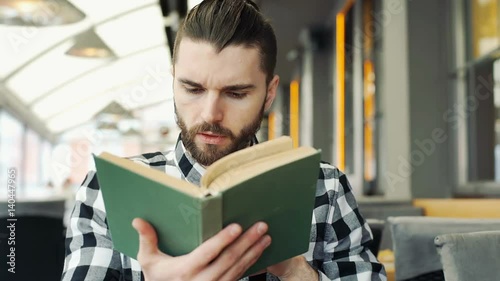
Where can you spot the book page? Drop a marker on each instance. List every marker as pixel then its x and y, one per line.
pixel 244 156
pixel 252 169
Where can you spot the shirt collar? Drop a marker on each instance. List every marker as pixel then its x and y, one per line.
pixel 190 169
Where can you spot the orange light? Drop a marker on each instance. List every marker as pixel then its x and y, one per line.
pixel 294 112
pixel 369 117
pixel 340 52
pixel 271 126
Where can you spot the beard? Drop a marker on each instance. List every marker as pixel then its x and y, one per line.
pixel 209 153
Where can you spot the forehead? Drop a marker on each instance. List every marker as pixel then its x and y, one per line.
pixel 201 62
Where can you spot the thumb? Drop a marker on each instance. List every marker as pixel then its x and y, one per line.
pixel 148 241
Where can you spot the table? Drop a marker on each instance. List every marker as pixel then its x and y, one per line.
pixel 46 205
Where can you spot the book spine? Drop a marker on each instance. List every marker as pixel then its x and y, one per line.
pixel 211 216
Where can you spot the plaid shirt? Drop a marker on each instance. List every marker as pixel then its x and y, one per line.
pixel 338 241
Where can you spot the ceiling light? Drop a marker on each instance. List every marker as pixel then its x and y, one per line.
pixel 89 45
pixel 115 117
pixel 38 12
pixel 112 114
pixel 115 110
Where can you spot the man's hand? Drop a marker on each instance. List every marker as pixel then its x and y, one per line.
pixel 226 256
pixel 293 269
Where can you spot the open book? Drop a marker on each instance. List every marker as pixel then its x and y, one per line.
pixel 271 182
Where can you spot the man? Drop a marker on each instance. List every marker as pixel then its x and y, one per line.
pixel 223 67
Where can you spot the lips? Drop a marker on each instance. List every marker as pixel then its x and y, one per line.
pixel 210 138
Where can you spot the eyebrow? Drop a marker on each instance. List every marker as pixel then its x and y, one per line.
pixel 236 87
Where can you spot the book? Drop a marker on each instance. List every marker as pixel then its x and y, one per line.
pixel 271 182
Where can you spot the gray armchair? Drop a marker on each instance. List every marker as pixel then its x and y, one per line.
pixel 470 256
pixel 415 254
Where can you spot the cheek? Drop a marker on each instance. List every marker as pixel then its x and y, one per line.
pixel 186 110
pixel 240 115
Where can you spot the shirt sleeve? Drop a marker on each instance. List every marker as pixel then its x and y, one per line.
pixel 89 249
pixel 340 236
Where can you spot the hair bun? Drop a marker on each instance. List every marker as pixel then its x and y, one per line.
pixel 253 4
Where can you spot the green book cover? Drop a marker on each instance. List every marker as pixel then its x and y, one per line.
pixel 275 184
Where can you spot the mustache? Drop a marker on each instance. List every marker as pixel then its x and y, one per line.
pixel 214 128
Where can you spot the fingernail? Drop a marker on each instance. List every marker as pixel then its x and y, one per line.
pixel 235 230
pixel 266 241
pixel 134 225
pixel 261 228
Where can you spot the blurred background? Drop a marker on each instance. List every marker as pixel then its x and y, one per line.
pixel 403 96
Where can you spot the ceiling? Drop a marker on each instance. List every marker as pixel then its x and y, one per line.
pixel 55 92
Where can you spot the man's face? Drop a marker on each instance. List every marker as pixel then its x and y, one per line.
pixel 219 98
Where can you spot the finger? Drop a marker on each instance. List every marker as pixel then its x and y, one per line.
pixel 211 248
pixel 148 241
pixel 232 254
pixel 247 260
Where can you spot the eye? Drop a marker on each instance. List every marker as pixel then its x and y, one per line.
pixel 236 95
pixel 194 90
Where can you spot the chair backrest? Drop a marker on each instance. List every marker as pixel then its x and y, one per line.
pixel 377 227
pixel 413 241
pixel 459 208
pixel 39 248
pixel 53 208
pixel 470 256
pixel 376 210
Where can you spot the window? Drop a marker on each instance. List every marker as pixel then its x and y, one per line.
pixel 479 114
pixel 11 140
pixel 483 107
pixel 45 163
pixel 32 160
pixel 485 27
pixel 356 102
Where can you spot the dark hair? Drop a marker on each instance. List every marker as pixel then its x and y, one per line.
pixel 230 22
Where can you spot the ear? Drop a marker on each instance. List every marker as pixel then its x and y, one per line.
pixel 271 92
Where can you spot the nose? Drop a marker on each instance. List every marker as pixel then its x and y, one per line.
pixel 212 109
